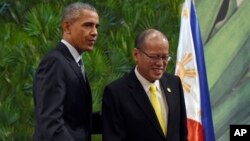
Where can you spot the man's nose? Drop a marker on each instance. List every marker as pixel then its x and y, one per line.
pixel 94 31
pixel 160 62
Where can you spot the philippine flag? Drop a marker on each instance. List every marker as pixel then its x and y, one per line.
pixel 190 67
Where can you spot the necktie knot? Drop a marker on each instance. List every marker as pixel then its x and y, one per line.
pixel 152 89
pixel 80 63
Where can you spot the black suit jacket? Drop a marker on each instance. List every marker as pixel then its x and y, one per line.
pixel 129 116
pixel 63 103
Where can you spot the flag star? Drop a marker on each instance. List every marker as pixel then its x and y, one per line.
pixel 186 12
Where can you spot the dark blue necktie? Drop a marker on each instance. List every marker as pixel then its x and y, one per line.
pixel 82 68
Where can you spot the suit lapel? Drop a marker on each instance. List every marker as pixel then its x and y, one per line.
pixel 62 48
pixel 169 98
pixel 77 70
pixel 143 101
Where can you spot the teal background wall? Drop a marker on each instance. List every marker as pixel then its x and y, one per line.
pixel 225 27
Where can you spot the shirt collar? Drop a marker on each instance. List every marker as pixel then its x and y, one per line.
pixel 72 51
pixel 145 83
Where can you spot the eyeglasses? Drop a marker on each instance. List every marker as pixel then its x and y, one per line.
pixel 166 58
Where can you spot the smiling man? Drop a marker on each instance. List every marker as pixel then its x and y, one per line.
pixel 62 96
pixel 147 104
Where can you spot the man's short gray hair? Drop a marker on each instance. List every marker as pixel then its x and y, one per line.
pixel 73 11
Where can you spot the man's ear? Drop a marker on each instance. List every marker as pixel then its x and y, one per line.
pixel 66 27
pixel 135 54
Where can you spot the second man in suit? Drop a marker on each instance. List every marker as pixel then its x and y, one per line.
pixel 147 104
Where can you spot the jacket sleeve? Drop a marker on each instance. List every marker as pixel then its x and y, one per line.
pixel 49 93
pixel 96 123
pixel 183 122
pixel 113 125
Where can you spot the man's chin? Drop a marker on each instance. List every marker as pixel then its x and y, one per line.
pixel 154 78
pixel 90 48
pixel 157 76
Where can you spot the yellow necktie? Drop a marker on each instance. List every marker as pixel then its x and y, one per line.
pixel 157 107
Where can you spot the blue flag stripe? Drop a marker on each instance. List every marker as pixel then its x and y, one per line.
pixel 206 117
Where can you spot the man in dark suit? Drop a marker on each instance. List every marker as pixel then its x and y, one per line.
pixel 147 104
pixel 62 96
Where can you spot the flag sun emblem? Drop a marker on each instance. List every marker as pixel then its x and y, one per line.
pixel 186 72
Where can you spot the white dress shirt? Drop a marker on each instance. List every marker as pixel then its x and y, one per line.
pixel 72 51
pixel 160 94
